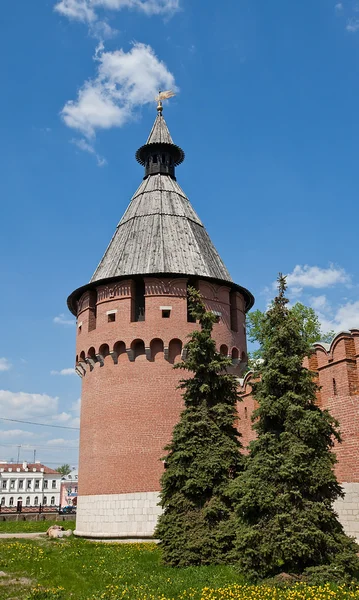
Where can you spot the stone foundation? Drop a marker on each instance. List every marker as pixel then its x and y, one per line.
pixel 348 509
pixel 135 515
pixel 117 515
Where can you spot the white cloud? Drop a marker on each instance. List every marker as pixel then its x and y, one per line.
pixel 61 442
pixel 319 303
pixel 85 10
pixel 76 406
pixel 10 433
pixel 70 371
pixel 85 146
pixel 339 6
pixel 22 405
pixel 352 25
pixel 346 317
pixel 63 320
pixel 5 365
pixel 124 81
pixel 316 277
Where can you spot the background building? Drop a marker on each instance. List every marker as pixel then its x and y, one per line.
pixel 28 485
pixel 69 489
pixel 132 325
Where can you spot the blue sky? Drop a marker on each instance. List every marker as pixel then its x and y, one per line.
pixel 267 113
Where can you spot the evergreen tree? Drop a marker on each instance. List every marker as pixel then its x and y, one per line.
pixel 203 456
pixel 284 498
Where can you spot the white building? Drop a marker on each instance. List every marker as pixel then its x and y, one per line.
pixel 28 485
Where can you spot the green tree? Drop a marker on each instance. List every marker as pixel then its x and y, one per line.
pixel 203 455
pixel 308 322
pixel 284 498
pixel 64 469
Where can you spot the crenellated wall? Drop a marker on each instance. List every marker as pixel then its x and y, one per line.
pixel 130 400
pixel 336 368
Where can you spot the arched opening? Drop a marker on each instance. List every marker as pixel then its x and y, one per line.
pixel 235 354
pixel 77 359
pixel 120 349
pixel 174 350
pixel 11 501
pixel 104 350
pixel 92 353
pixel 224 350
pixel 191 283
pixel 138 347
pixel 82 356
pixel 36 501
pixel 44 502
pixel 3 501
pixel 335 388
pixel 157 349
pixel 52 500
pixel 27 500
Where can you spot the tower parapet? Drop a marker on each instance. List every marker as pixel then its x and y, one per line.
pixel 132 324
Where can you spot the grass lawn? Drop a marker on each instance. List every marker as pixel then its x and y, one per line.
pixel 83 570
pixel 32 526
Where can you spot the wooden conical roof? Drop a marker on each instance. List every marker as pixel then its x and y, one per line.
pixel 160 233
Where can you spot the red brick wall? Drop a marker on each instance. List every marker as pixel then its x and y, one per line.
pixel 337 372
pixel 129 409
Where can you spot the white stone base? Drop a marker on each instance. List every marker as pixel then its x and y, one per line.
pixel 117 515
pixel 348 509
pixel 135 515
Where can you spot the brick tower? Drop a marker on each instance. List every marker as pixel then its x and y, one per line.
pixel 132 324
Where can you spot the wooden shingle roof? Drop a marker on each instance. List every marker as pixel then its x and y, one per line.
pixel 160 233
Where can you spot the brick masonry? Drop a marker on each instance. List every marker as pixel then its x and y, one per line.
pixel 130 401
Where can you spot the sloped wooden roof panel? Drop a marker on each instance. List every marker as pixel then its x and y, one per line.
pixel 159 133
pixel 160 233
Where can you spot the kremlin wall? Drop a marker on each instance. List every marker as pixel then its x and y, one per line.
pixel 336 367
pixel 132 326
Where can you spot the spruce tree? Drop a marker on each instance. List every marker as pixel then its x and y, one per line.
pixel 203 456
pixel 284 498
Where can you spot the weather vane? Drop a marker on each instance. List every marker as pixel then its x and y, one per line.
pixel 163 96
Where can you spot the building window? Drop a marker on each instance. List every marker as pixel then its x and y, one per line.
pixel 37 484
pixel 36 501
pixel 54 484
pixel 29 482
pixel 52 500
pixel 12 484
pixel 335 389
pixel 45 484
pixel 166 313
pixel 11 501
pixel 27 500
pixel 4 484
pixel 44 502
pixel 3 501
pixel 139 304
pixel 21 484
pixel 154 158
pixel 79 329
pixel 245 412
pixel 111 317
